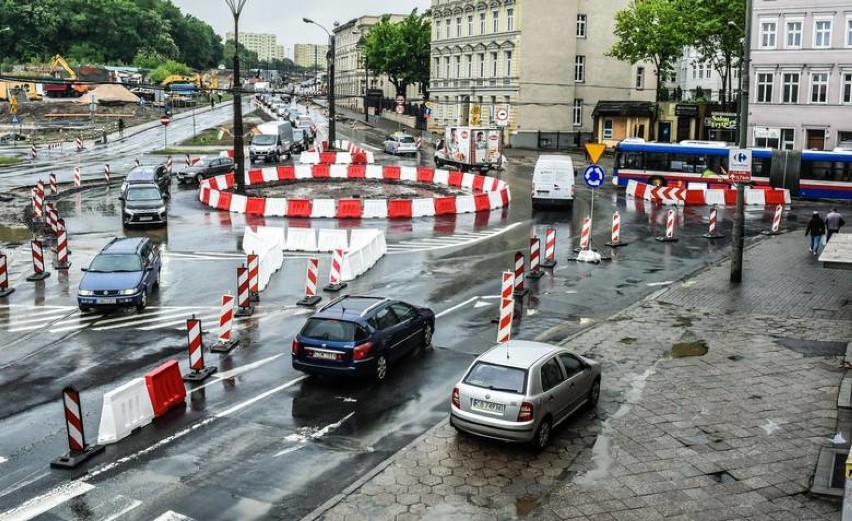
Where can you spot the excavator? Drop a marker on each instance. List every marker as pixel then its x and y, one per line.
pixel 67 88
pixel 179 78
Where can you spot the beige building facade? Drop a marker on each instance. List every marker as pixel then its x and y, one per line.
pixel 263 44
pixel 309 55
pixel 543 61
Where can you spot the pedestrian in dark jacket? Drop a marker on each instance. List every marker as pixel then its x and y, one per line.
pixel 816 229
pixel 833 222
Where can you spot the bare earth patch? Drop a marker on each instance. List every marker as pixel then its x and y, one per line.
pixel 341 189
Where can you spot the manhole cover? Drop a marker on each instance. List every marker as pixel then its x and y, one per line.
pixel 813 347
pixel 723 477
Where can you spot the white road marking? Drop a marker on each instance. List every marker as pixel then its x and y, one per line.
pixel 41 504
pixel 23 483
pixel 481 304
pixel 302 439
pixel 173 516
pixel 451 241
pixel 3 460
pixel 237 371
pixel 135 503
pixel 457 306
pixel 665 283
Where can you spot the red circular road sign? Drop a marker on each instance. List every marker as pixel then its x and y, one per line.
pixel 165 120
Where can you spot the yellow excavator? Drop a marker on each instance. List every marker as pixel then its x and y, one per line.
pixel 64 89
pixel 179 78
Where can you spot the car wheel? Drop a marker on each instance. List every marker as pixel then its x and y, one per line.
pixel 594 394
pixel 427 337
pixel 381 368
pixel 142 301
pixel 657 181
pixel 124 224
pixel 542 435
pixel 198 179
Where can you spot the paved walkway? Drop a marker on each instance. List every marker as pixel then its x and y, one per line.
pixel 730 434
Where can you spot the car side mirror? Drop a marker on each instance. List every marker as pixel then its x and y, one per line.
pixel 84 268
pixel 121 198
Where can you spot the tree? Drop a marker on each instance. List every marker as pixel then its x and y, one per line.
pixel 247 58
pixel 717 34
pixel 168 68
pixel 400 50
pixel 651 31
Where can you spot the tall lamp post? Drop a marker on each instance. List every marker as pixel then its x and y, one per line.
pixel 236 7
pixel 737 238
pixel 332 135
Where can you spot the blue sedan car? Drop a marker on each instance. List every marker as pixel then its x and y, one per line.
pixel 361 336
pixel 123 274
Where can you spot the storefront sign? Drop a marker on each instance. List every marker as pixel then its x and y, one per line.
pixel 686 110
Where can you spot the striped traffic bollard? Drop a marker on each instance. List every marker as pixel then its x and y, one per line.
pixel 198 371
pixel 244 307
pixel 224 343
pixel 615 241
pixel 77 181
pixel 253 261
pixel 507 289
pixel 334 282
pixel 5 290
pixel 311 297
pixel 504 327
pixel 776 221
pixel 33 151
pixel 38 262
pixel 670 222
pixel 535 259
pixel 61 262
pixel 53 188
pixel 106 173
pixel 52 217
pixel 520 289
pixel 586 234
pixel 711 231
pixel 38 207
pixel 137 162
pixel 78 451
pixel 169 165
pixel 549 249
pixel 79 143
pixel 187 161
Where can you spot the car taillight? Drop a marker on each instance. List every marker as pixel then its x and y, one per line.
pixel 295 349
pixel 361 352
pixel 526 412
pixel 456 398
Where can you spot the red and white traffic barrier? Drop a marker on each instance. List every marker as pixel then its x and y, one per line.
pixel 77 181
pixel 244 307
pixel 615 241
pixel 312 276
pixel 549 249
pixel 670 222
pixel 334 282
pixel 61 262
pixel 5 290
pixel 169 164
pixel 520 289
pixel 52 180
pixel 535 259
pixel 711 230
pixel 253 261
pixel 78 450
pixel 507 309
pixel 224 342
pixel 106 173
pixel 38 262
pixel 586 233
pixel 198 371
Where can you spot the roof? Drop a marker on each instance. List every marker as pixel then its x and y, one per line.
pixel 521 353
pixel 623 108
pixel 556 158
pixel 124 245
pixel 109 93
pixel 350 307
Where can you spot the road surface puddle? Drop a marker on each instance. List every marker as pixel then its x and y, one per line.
pixel 684 349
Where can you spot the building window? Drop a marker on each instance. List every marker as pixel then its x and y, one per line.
pixel 469 59
pixel 819 87
pixel 580 69
pixel 481 23
pixel 495 21
pixel 767 34
pixel 458 66
pixel 458 27
pixel 577 113
pixel 607 129
pixel 510 19
pixel 470 25
pixel 581 26
pixel 794 34
pixel 846 94
pixel 640 78
pixel 437 68
pixel 447 67
pixel 481 65
pixel 791 87
pixel 447 28
pixel 764 87
pixel 849 31
pixel 507 59
pixel 493 64
pixel 437 29
pixel 694 70
pixel 822 34
pixel 788 138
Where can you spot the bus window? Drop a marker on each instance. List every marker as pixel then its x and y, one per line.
pixel 760 167
pixel 630 160
pixel 657 161
pixel 819 170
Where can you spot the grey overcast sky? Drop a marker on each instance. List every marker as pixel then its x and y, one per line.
pixel 284 18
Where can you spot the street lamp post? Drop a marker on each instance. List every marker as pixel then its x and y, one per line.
pixel 236 7
pixel 737 238
pixel 332 136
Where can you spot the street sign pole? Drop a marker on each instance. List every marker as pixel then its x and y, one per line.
pixel 737 241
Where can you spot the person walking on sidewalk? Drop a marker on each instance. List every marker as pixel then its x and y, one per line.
pixel 833 222
pixel 816 229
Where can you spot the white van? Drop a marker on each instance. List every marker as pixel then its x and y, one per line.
pixel 553 181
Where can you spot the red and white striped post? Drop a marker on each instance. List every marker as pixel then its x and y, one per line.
pixel 198 371
pixel 334 282
pixel 53 189
pixel 244 307
pixel 106 173
pixel 52 217
pixel 225 343
pixel 535 259
pixel 169 165
pixel 670 222
pixel 61 262
pixel 136 162
pixel 311 297
pixel 520 289
pixel 586 234
pixel 711 231
pixel 507 289
pixel 38 262
pixel 79 143
pixel 187 161
pixel 5 290
pixel 77 181
pixel 38 206
pixel 776 221
pixel 549 249
pixel 78 451
pixel 33 151
pixel 616 232
pixel 504 327
pixel 253 261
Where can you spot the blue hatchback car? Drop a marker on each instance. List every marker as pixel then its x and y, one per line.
pixel 123 274
pixel 361 336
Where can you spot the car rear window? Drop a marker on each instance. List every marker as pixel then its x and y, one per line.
pixel 333 330
pixel 406 139
pixel 497 378
pixel 140 175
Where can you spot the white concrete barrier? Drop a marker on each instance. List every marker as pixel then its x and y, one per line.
pixel 324 208
pixel 276 207
pixel 125 409
pixel 753 196
pixel 631 188
pixel 467 181
pixel 301 239
pixel 338 171
pixel 495 200
pixel 374 172
pixel 332 239
pixel 303 172
pixel 238 203
pixel 268 244
pixel 423 207
pixel 441 177
pixel 270 175
pixel 366 247
pixel 465 204
pixel 408 174
pixel 309 158
pixel 714 196
pixel 375 209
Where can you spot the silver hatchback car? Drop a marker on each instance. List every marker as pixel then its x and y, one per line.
pixel 519 390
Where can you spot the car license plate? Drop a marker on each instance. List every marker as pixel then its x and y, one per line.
pixel 540 192
pixel 489 407
pixel 107 301
pixel 146 218
pixel 323 355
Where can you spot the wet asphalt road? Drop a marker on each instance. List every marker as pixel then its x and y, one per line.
pixel 259 440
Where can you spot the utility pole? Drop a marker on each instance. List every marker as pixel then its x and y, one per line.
pixel 737 238
pixel 239 152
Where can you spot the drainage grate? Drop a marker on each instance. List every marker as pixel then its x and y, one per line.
pixel 723 477
pixel 838 471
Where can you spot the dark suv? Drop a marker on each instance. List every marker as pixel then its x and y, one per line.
pixel 361 336
pixel 149 174
pixel 121 275
pixel 142 204
pixel 207 167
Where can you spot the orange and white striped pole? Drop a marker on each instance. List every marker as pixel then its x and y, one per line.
pixel 253 261
pixel 549 249
pixel 507 309
pixel 311 298
pixel 78 451
pixel 5 290
pixel 520 288
pixel 334 282
pixel 244 307
pixel 61 262
pixel 198 371
pixel 224 342
pixel 535 259
pixel 77 181
pixel 38 262
pixel 711 230
pixel 586 233
pixel 106 173
pixel 616 232
pixel 53 189
pixel 670 222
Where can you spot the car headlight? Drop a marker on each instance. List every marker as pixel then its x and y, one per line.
pixel 85 292
pixel 161 209
pixel 127 291
pixel 128 211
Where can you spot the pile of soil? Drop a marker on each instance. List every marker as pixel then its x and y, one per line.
pixel 343 189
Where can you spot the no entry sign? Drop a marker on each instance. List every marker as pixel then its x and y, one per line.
pixel 165 120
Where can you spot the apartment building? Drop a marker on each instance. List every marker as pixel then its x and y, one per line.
pixel 263 44
pixel 309 55
pixel 801 74
pixel 543 61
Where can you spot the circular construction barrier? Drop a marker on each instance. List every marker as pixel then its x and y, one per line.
pixel 486 193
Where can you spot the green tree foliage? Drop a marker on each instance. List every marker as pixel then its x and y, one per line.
pixel 248 59
pixel 400 50
pixel 166 69
pixel 716 30
pixel 105 31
